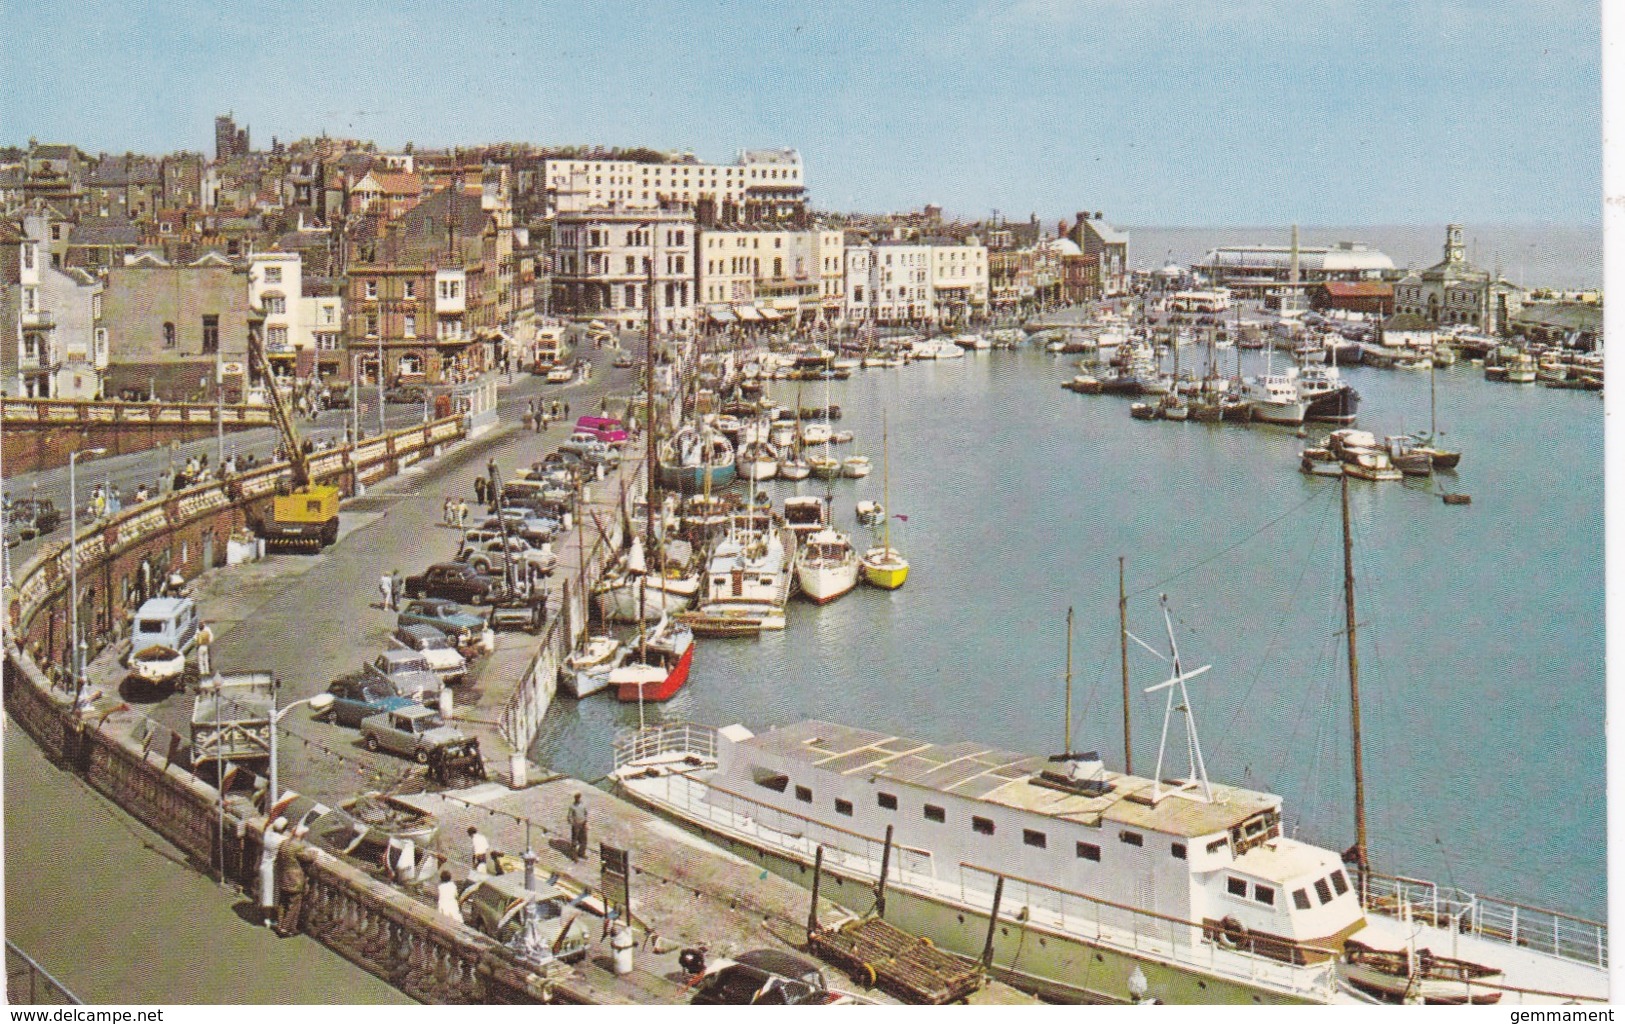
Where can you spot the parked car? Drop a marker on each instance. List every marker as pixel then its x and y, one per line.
pixel 587 448
pixel 764 977
pixel 30 518
pixel 537 925
pixel 436 648
pixel 406 395
pixel 624 361
pixel 162 636
pixel 408 673
pixel 413 732
pixel 523 523
pixel 357 697
pixel 526 492
pixel 485 555
pixel 562 374
pixel 469 632
pixel 456 580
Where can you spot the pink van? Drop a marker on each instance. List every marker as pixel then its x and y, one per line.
pixel 604 428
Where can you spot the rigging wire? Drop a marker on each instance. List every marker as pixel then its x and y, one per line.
pixel 1320 494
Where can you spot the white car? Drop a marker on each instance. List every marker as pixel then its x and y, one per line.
pixel 561 375
pixel 486 556
pixel 436 648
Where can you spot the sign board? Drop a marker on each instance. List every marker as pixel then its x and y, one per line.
pixel 616 878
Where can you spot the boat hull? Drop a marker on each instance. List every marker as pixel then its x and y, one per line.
pixel 823 584
pixel 887 574
pixel 759 469
pixel 1288 414
pixel 664 690
pixel 664 597
pixel 1340 406
pixel 694 478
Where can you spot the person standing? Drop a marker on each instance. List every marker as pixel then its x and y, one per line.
pixel 481 849
pixel 479 490
pixel 462 515
pixel 291 882
pixel 397 589
pixel 272 844
pixel 205 638
pixel 577 817
pixel 386 587
pixel 446 898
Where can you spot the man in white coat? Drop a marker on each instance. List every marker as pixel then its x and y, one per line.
pixel 274 838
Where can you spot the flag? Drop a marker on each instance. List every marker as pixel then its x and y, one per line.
pixel 901 518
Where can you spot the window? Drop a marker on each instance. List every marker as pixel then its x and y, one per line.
pixel 1324 891
pixel 631 265
pixel 411 289
pixel 1264 894
pixel 409 326
pixel 372 289
pixel 935 813
pixel 843 807
pixel 770 780
pixel 169 334
pixel 56 232
pixel 276 336
pixel 887 801
pixel 1178 850
pixel 1131 838
pixel 273 275
pixel 1339 882
pixel 983 826
pixel 804 794
pixel 327 314
pixel 275 304
pixel 410 363
pixel 1032 837
pixel 372 325
pixel 28 257
pixel 1235 886
pixel 1300 899
pixel 778 266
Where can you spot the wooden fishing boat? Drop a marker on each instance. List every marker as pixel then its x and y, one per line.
pixel 1404 976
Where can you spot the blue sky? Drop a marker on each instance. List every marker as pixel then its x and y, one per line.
pixel 1154 111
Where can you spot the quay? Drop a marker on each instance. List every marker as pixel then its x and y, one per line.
pixel 308 618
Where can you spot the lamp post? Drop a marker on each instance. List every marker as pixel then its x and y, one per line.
pixel 320 702
pixel 76 658
pixel 380 382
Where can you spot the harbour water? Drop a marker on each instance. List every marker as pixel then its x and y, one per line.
pixel 1536 255
pixel 1481 627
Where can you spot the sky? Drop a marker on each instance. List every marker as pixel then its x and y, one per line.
pixel 1173 112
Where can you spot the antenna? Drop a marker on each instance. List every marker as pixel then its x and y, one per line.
pixel 1196 775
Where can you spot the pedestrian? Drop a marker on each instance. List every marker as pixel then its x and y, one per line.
pixel 291 882
pixel 567 408
pixel 445 511
pixel 479 490
pixel 446 898
pixel 481 850
pixel 205 638
pixel 386 587
pixel 577 817
pixel 528 421
pixel 271 844
pixel 462 515
pixel 140 493
pixel 397 589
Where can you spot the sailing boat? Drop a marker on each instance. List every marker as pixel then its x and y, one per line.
pixel 884 566
pixel 1443 458
pixel 828 564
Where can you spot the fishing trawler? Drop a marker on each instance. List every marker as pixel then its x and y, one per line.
pixel 748 581
pixel 696 458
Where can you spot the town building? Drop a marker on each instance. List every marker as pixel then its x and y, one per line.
pixel 1576 325
pixel 1258 271
pixel 767 275
pixel 600 265
pixel 54 346
pixel 1453 291
pixel 959 280
pixel 1372 297
pixel 178 332
pixel 761 186
pixel 1106 250
pixel 229 140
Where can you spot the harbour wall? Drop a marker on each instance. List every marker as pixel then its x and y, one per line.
pixel 40 433
pixel 133 760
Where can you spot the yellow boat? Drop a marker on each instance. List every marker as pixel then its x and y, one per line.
pixel 884 566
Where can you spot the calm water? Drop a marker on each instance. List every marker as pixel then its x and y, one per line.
pixel 1481 626
pixel 1537 256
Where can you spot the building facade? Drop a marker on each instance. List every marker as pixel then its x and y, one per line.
pixel 1453 291
pixel 601 266
pixel 178 332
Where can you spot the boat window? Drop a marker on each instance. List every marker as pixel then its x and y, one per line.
pixel 1300 899
pixel 1131 838
pixel 1339 882
pixel 982 825
pixel 1264 894
pixel 804 794
pixel 1217 845
pixel 886 801
pixel 1323 890
pixel 1088 851
pixel 1178 850
pixel 770 780
pixel 934 813
pixel 1235 886
pixel 1032 837
pixel 843 807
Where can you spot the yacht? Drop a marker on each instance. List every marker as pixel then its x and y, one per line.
pixel 749 578
pixel 758 460
pixel 1330 398
pixel 827 566
pixel 696 458
pixel 1275 398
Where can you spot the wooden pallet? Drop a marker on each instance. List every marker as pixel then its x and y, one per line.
pixel 907 966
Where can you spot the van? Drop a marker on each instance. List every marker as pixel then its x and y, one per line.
pixel 604 428
pixel 170 622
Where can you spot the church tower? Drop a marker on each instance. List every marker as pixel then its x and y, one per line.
pixel 1454 250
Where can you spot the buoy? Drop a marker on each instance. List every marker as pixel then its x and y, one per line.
pixel 1458 499
pixel 622 943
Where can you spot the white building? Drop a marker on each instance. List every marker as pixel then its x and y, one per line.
pixel 959 280
pixel 900 282
pixel 61 344
pixel 752 275
pixel 582 184
pixel 601 268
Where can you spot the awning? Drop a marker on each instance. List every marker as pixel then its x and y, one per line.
pixel 771 314
pixel 748 313
pixel 721 314
pixel 790 305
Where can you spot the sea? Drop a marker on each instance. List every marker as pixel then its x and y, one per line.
pixel 1480 627
pixel 1559 256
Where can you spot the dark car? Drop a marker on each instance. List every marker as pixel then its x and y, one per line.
pixel 456 581
pixel 32 517
pixel 355 698
pixel 406 395
pixel 534 528
pixel 468 632
pixel 764 977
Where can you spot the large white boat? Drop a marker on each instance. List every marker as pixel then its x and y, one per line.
pixel 1275 398
pixel 827 566
pixel 635 588
pixel 758 460
pixel 748 581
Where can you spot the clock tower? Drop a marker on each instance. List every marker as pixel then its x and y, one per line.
pixel 1454 251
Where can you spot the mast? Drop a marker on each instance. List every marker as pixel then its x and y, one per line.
pixel 885 487
pixel 649 489
pixel 1066 742
pixel 1360 857
pixel 1122 642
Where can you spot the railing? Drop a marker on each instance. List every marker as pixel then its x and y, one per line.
pixel 27 983
pixel 659 740
pixel 1546 931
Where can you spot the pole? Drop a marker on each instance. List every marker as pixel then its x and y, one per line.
pixel 380 373
pixel 885 869
pixel 73 574
pixel 219 410
pixel 818 875
pixel 992 924
pixel 1122 643
pixel 271 793
pixel 1354 689
pixel 1066 742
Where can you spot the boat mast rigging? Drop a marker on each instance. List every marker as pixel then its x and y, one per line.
pixel 1196 779
pixel 1066 740
pixel 1360 854
pixel 1122 643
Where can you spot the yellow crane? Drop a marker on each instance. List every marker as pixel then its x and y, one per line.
pixel 304 514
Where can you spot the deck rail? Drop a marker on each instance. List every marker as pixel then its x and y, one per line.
pixel 27 983
pixel 1546 931
pixel 655 741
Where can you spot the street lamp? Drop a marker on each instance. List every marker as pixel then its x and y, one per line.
pixel 318 703
pixel 76 658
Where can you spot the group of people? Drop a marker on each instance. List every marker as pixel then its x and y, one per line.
pixel 539 415
pixel 392 588
pixel 454 512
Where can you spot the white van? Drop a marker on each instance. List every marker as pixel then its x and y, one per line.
pixel 162 636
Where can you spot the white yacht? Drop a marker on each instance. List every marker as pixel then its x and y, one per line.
pixel 1275 398
pixel 827 566
pixel 748 581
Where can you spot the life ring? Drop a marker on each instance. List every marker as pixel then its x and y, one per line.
pixel 869 972
pixel 1232 934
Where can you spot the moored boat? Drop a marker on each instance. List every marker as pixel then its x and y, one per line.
pixel 694 459
pixel 827 566
pixel 1419 976
pixel 668 654
pixel 758 460
pixel 855 467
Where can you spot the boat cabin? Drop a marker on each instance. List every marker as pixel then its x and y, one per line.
pixel 1222 865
